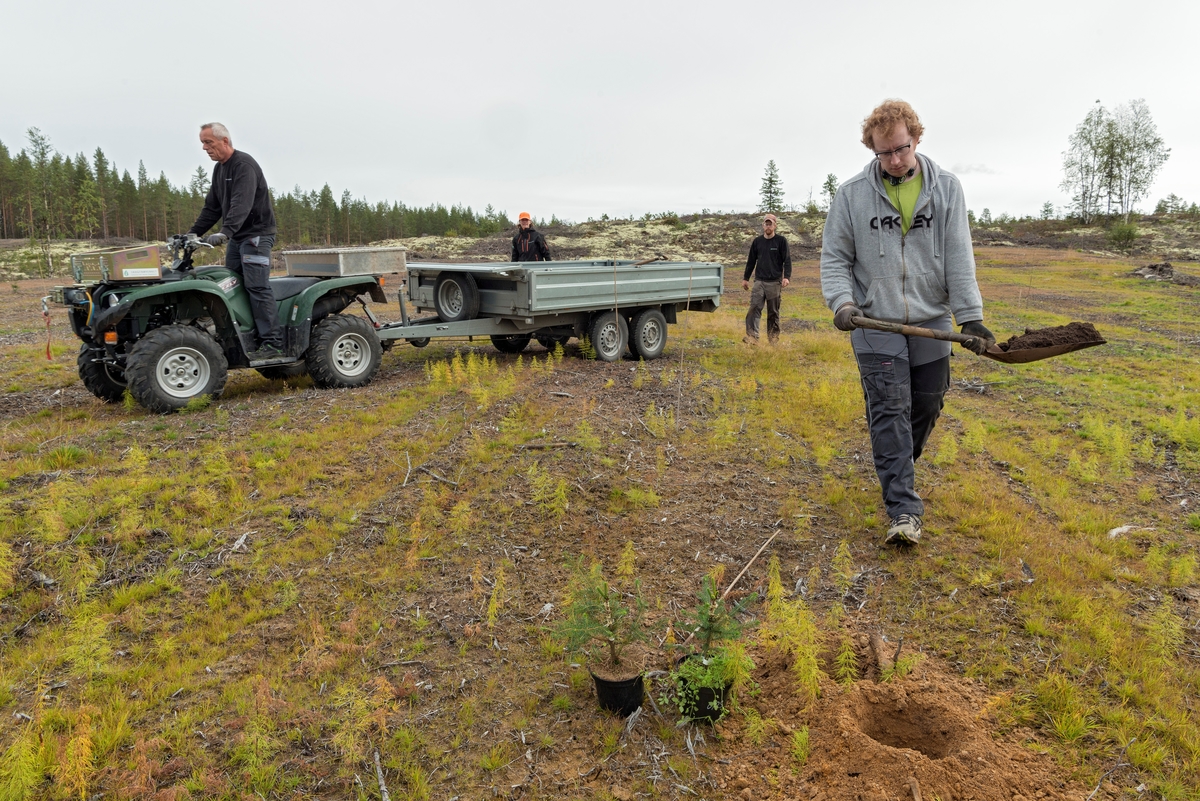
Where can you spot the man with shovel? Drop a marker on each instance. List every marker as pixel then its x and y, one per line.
pixel 897 248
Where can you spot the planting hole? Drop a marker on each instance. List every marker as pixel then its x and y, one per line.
pixel 912 725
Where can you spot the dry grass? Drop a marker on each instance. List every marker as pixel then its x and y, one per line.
pixel 251 598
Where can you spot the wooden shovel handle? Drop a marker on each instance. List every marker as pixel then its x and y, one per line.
pixel 910 330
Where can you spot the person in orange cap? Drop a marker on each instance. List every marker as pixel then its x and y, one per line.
pixel 529 244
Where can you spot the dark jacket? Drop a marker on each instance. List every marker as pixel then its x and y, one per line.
pixel 530 245
pixel 239 198
pixel 769 260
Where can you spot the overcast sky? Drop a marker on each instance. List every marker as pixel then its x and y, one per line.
pixel 586 108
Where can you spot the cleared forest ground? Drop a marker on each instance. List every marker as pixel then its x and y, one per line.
pixel 249 600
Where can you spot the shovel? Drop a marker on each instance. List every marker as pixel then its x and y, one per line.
pixel 1022 356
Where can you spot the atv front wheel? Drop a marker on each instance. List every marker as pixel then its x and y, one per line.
pixel 170 366
pixel 344 352
pixel 104 381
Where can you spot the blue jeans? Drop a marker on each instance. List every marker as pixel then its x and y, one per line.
pixel 251 259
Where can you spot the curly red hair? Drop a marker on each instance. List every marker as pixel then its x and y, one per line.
pixel 886 116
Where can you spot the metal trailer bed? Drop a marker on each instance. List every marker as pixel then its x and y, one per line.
pixel 514 302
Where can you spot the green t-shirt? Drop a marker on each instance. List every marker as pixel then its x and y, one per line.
pixel 904 198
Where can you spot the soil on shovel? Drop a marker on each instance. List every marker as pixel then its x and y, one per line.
pixel 1069 334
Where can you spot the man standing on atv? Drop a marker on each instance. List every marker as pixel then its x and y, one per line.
pixel 897 247
pixel 529 244
pixel 240 199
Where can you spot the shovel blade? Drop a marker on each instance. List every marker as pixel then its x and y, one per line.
pixel 1027 355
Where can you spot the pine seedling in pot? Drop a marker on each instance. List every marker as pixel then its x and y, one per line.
pixel 601 613
pixel 705 682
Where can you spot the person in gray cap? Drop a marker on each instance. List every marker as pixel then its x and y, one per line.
pixel 897 247
pixel 771 266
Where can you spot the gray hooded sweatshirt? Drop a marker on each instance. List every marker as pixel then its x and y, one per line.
pixel 910 278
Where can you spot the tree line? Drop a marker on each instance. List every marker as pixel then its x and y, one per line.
pixel 45 195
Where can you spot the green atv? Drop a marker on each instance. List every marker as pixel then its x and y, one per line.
pixel 170 335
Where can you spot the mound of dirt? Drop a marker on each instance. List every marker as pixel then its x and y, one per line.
pixel 875 741
pixel 1068 334
pixel 1164 271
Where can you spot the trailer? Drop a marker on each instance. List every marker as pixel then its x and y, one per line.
pixel 618 305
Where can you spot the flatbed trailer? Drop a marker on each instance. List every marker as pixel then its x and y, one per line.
pixel 616 304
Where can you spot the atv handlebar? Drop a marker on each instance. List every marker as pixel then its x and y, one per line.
pixel 188 243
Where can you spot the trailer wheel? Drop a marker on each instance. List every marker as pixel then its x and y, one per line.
pixel 279 372
pixel 102 380
pixel 549 341
pixel 170 366
pixel 648 336
pixel 511 343
pixel 345 352
pixel 609 334
pixel 419 343
pixel 456 297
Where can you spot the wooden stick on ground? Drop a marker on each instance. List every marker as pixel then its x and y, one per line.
pixel 436 476
pixel 738 578
pixel 383 791
pixel 915 788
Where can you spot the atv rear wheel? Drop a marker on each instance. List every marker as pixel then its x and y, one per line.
pixel 344 352
pixel 170 366
pixel 102 380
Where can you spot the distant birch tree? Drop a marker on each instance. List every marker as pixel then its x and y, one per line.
pixel 1114 159
pixel 1083 164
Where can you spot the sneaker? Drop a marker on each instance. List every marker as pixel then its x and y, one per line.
pixel 905 530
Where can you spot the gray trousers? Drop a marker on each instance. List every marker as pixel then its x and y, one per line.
pixel 251 258
pixel 904 382
pixel 769 294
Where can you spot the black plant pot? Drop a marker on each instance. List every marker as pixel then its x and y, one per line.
pixel 622 697
pixel 707 704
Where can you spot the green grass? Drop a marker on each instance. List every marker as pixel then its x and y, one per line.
pixel 305 645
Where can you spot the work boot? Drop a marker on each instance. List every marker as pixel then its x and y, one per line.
pixel 905 530
pixel 267 350
pixel 749 340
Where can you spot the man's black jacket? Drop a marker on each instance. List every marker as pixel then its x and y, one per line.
pixel 239 198
pixel 769 260
pixel 530 245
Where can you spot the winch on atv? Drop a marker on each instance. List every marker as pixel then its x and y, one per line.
pixel 169 335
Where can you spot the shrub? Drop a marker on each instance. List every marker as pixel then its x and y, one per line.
pixel 1122 236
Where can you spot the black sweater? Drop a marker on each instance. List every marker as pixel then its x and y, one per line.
pixel 769 259
pixel 530 245
pixel 239 198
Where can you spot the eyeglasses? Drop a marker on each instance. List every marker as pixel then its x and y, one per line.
pixel 887 154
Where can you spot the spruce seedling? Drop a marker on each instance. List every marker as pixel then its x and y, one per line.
pixel 597 611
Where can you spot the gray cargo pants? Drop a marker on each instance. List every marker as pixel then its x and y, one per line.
pixel 251 258
pixel 904 382
pixel 769 294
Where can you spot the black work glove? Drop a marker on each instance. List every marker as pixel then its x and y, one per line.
pixel 841 318
pixel 981 338
pixel 216 240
